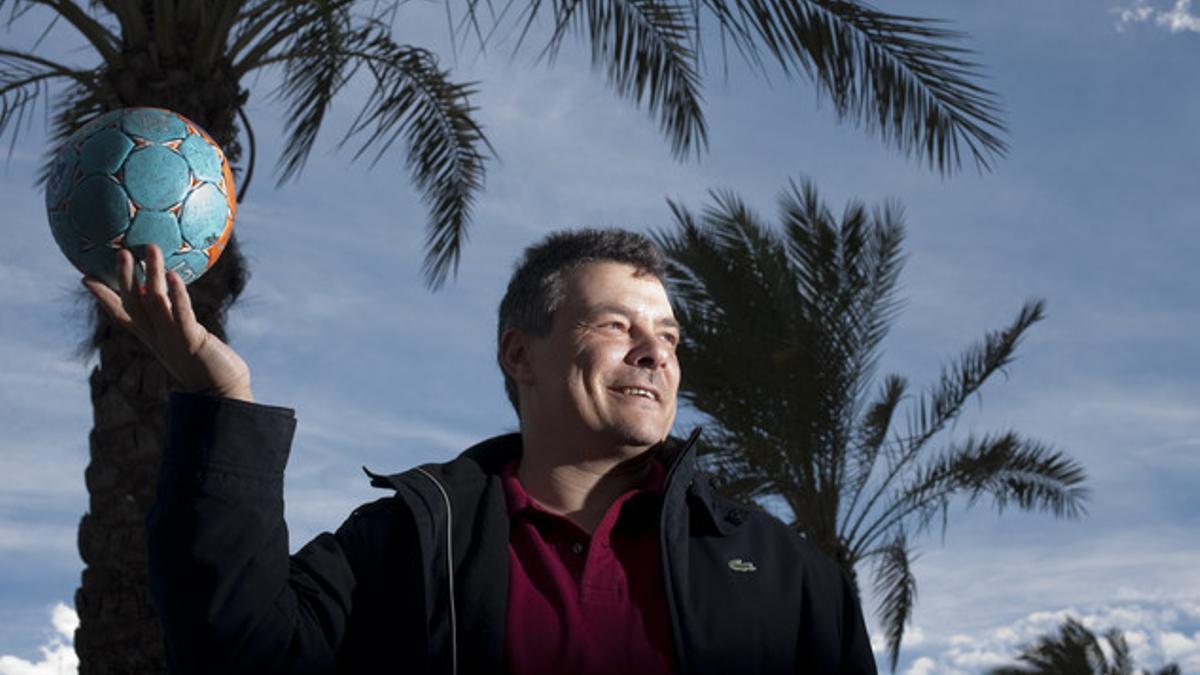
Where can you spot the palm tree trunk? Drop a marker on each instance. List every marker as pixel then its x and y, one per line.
pixel 118 630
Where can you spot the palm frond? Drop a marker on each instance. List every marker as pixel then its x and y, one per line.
pixel 882 264
pixel 686 286
pixel 16 10
pixel 847 273
pixel 316 67
pixel 872 432
pixel 902 77
pixel 469 24
pixel 259 40
pixel 780 340
pixel 252 160
pixel 166 38
pixel 413 98
pixel 1021 472
pixel 135 31
pixel 214 36
pixel 1122 660
pixel 730 281
pixel 742 289
pixel 897 587
pixel 266 17
pixel 24 80
pixel 1010 469
pixel 1074 648
pixel 645 49
pixel 944 402
pixel 725 271
pixel 103 40
pixel 780 336
pixel 717 283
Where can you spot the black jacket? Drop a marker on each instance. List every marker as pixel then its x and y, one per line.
pixel 418 581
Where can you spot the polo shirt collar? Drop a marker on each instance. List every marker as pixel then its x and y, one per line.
pixel 519 501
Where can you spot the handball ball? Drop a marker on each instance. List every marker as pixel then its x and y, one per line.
pixel 140 176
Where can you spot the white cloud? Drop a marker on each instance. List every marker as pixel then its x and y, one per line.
pixel 58 655
pixel 1005 634
pixel 922 666
pixel 1177 19
pixel 65 620
pixel 1139 13
pixel 1182 649
pixel 973 657
pixel 878 643
pixel 1159 629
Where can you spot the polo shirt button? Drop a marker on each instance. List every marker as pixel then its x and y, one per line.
pixel 577 548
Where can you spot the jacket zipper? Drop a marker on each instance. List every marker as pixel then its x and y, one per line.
pixel 449 569
pixel 668 581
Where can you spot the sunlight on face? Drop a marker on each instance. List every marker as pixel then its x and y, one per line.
pixel 608 367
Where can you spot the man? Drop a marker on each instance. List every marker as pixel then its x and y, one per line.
pixel 587 543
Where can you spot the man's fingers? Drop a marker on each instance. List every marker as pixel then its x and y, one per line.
pixel 112 305
pixel 156 283
pixel 131 292
pixel 181 302
pixel 125 272
pixel 109 300
pixel 154 299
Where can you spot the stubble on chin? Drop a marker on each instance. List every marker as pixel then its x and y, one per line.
pixel 636 436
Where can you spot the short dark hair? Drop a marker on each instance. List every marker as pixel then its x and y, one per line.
pixel 538 284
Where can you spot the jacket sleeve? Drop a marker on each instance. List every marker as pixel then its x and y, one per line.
pixel 229 596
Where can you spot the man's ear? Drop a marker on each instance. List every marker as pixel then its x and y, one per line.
pixel 514 356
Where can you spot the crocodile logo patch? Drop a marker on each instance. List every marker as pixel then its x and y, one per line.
pixel 739 565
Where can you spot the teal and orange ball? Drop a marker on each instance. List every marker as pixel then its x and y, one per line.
pixel 139 176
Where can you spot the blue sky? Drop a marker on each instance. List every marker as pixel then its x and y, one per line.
pixel 1095 209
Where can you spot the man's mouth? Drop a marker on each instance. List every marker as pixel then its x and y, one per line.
pixel 643 392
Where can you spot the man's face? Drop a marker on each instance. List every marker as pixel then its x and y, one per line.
pixel 608 366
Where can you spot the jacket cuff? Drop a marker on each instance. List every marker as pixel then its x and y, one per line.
pixel 230 436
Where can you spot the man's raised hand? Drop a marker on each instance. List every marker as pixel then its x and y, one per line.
pixel 159 313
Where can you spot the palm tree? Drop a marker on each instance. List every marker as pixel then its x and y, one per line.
pixel 1075 650
pixel 782 334
pixel 904 78
pixel 193 57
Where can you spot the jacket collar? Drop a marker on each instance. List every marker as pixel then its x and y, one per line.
pixel 490 456
pixel 486 460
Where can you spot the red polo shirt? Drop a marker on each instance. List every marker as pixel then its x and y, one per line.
pixel 581 604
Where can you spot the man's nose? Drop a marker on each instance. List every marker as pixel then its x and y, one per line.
pixel 650 351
